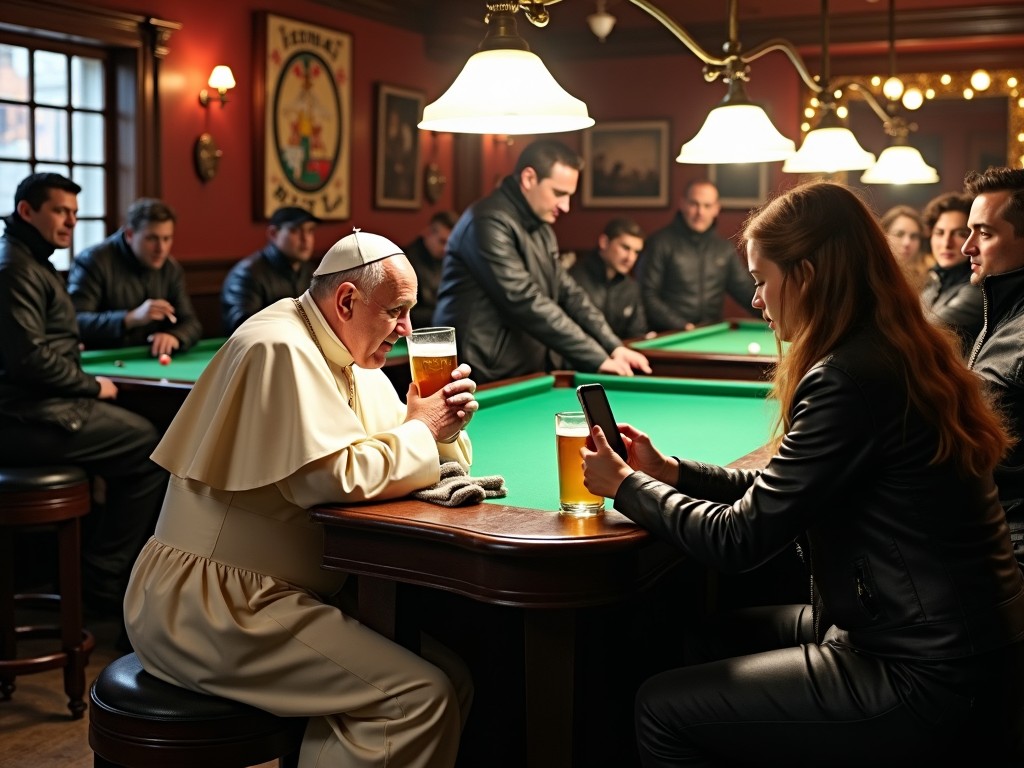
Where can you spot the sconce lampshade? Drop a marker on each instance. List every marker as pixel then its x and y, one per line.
pixel 736 133
pixel 505 92
pixel 221 78
pixel 829 148
pixel 900 164
pixel 601 23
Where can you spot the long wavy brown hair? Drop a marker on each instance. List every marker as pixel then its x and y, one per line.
pixel 839 274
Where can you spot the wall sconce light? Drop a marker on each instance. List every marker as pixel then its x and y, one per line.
pixel 223 80
pixel 206 154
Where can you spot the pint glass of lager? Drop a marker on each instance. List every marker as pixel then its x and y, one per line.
pixel 571 432
pixel 432 358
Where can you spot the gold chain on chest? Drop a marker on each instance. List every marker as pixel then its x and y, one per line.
pixel 347 370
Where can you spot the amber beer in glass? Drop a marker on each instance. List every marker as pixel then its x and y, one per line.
pixel 571 432
pixel 432 358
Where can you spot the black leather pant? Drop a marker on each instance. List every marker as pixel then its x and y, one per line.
pixel 773 697
pixel 115 444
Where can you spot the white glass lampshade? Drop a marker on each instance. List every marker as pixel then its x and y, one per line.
pixel 221 78
pixel 505 92
pixel 829 150
pixel 900 164
pixel 736 133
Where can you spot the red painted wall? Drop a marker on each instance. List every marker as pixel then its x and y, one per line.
pixel 216 218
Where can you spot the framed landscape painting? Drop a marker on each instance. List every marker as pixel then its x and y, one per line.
pixel 626 164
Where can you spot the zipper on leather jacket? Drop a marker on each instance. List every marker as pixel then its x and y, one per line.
pixel 984 328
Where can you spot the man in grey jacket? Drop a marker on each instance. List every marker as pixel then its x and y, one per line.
pixel 687 268
pixel 514 307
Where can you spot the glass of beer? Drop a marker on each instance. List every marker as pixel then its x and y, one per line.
pixel 574 499
pixel 432 358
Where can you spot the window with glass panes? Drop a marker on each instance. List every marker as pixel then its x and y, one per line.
pixel 53 118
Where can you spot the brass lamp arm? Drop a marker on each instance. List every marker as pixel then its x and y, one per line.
pixel 779 44
pixel 869 97
pixel 680 33
pixel 733 47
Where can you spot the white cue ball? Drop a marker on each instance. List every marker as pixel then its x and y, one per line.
pixel 753 348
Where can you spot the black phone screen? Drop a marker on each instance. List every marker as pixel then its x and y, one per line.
pixel 598 411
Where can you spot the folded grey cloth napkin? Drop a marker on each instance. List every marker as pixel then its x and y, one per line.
pixel 456 488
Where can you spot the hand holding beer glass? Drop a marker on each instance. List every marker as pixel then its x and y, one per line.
pixel 571 430
pixel 432 358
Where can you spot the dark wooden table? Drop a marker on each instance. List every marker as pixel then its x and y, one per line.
pixel 548 564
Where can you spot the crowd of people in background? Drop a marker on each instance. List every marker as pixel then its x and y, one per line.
pixel 868 309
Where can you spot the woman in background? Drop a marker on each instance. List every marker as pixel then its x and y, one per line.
pixel 912 649
pixel 905 229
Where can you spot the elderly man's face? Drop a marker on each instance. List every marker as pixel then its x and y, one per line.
pixel 371 324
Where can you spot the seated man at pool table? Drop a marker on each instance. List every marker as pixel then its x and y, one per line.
pixel 281 269
pixel 51 411
pixel 605 273
pixel 128 290
pixel 228 597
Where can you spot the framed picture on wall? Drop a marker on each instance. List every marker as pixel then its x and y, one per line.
pixel 399 175
pixel 303 120
pixel 740 185
pixel 626 164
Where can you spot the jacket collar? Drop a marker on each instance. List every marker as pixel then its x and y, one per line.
pixel 958 273
pixel 679 224
pixel 1004 295
pixel 510 188
pixel 277 259
pixel 126 254
pixel 19 229
pixel 594 265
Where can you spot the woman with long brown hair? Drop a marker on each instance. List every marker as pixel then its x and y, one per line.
pixel 912 649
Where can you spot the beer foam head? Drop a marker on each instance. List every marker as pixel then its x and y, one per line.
pixel 355 250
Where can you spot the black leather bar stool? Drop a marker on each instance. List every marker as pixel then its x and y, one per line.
pixel 34 497
pixel 138 721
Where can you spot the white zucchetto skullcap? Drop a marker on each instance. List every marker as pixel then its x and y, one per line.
pixel 355 250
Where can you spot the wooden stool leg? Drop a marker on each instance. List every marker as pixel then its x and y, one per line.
pixel 8 641
pixel 71 637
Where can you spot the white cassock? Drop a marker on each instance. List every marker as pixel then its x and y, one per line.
pixel 227 597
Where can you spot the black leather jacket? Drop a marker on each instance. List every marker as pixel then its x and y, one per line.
pixel 684 276
pixel 41 377
pixel 998 357
pixel 619 297
pixel 512 303
pixel 107 281
pixel 950 298
pixel 909 560
pixel 257 281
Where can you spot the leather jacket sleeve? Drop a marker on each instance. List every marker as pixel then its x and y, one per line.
pixel 501 272
pixel 240 297
pixel 86 284
pixel 30 350
pixel 826 449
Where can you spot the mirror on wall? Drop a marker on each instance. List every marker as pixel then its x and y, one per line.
pixel 960 127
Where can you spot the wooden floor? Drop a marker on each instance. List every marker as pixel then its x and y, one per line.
pixel 35 728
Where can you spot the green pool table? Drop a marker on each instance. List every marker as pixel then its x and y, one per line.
pixel 513 433
pixel 518 551
pixel 718 351
pixel 157 391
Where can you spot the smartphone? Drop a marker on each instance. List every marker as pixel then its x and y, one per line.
pixel 599 413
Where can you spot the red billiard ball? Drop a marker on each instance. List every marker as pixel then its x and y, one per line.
pixel 164 359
